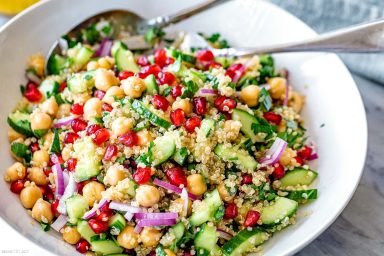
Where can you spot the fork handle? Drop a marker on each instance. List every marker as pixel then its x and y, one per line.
pixel 163 21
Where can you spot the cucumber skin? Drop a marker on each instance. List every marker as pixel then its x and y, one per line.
pixel 264 215
pixel 212 204
pixel 125 61
pixel 106 247
pixel 229 249
pixel 246 160
pixel 298 176
pixel 151 84
pixel 143 111
pixel 246 121
pixel 160 144
pixel 24 128
pixel 206 238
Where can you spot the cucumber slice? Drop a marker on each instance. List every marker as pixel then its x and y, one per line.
pixel 246 121
pixel 117 223
pixel 302 196
pixel 207 127
pixel 144 112
pixel 82 57
pixel 163 148
pixel 76 205
pixel 151 85
pixel 160 251
pixel 181 156
pixel 207 209
pixel 21 123
pixel 85 230
pixel 298 177
pixel 56 64
pixel 178 230
pixel 49 87
pixel 206 238
pixel 88 161
pixel 245 241
pixel 81 82
pixel 21 150
pixel 126 61
pixel 238 156
pixel 281 209
pixel 106 247
pixel 116 46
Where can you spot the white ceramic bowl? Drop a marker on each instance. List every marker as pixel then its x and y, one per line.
pixel 332 99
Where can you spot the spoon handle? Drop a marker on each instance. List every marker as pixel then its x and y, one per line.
pixel 361 38
pixel 163 21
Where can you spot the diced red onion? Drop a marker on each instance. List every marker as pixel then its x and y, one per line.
pixel 137 229
pixel 104 48
pixel 223 234
pixel 124 207
pixel 274 153
pixel 156 222
pixel 314 156
pixel 156 215
pixel 172 188
pixel 284 73
pixel 64 121
pixel 63 44
pixel 265 86
pixel 66 177
pixel 129 216
pixel 59 179
pixel 184 196
pixel 285 103
pixel 70 189
pixel 207 92
pixel 59 223
pixel 33 77
pixel 91 213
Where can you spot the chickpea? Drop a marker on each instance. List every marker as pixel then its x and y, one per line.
pixel 50 106
pixel 184 105
pixel 92 65
pixel 147 195
pixel 64 110
pixel 287 155
pixel 114 175
pixel 133 86
pixel 37 63
pixel 38 176
pixel 224 193
pixel 81 97
pixel 277 87
pixel 105 79
pixel 121 125
pixel 40 121
pixel 196 184
pixel 40 158
pixel 169 252
pixel 250 95
pixel 48 138
pixel 29 196
pixel 104 63
pixel 128 238
pixel 112 93
pixel 71 235
pixel 15 172
pixel 66 152
pixel 178 205
pixel 42 212
pixel 144 137
pixel 92 192
pixel 150 236
pixel 92 108
pixel 297 101
pixel 13 135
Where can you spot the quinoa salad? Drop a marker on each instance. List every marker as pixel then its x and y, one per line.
pixel 163 152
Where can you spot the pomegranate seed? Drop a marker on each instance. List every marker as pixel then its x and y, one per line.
pixel 215 65
pixel 43 190
pixel 279 171
pixel 225 104
pixel 104 216
pixel 299 160
pixel 133 164
pixel 101 136
pixel 98 226
pixel 176 91
pixel 71 164
pixel 125 74
pixel 160 57
pixel 204 56
pixel 56 159
pixel 92 129
pixel 200 105
pixel 82 246
pixel 71 137
pixel 160 102
pixel 142 175
pixel 169 61
pixel 78 125
pixel 106 107
pixel 149 70
pixel 32 93
pixel 77 109
pixel 235 70
pixel 227 116
pixel 80 186
pixel 129 139
pixel 166 78
pixel 246 179
pixel 34 147
pixel 62 86
pixel 99 94
pixel 230 211
pixel 47 170
pixel 272 117
pixel 251 218
pixel 110 152
pixel 49 196
pixel 177 117
pixel 191 124
pixel 17 186
pixel 305 152
pixel 54 206
pixel 143 61
pixel 176 176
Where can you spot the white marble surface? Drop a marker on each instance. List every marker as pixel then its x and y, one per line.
pixel 359 231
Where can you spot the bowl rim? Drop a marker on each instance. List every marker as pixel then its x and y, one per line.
pixel 310 238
